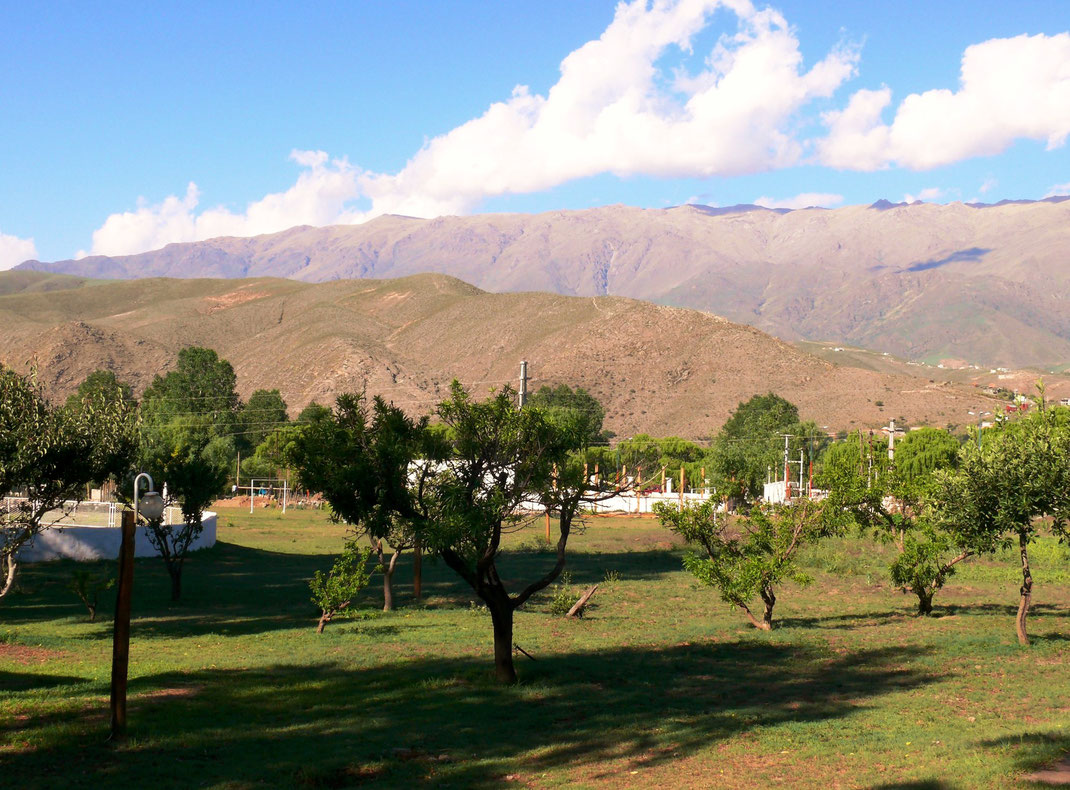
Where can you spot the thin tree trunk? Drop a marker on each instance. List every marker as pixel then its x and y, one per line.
pixel 925 600
pixel 176 582
pixel 501 615
pixel 759 624
pixel 9 577
pixel 1027 590
pixel 770 601
pixel 324 619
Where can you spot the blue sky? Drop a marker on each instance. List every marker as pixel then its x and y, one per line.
pixel 127 126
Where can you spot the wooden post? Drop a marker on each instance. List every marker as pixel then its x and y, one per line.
pixel 547 525
pixel 596 475
pixel 663 479
pixel 683 482
pixel 638 490
pixel 417 573
pixel 120 651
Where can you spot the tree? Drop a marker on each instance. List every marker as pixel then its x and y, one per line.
pixel 264 412
pixel 493 459
pixel 587 410
pixel 362 464
pixel 750 443
pixel 313 412
pixel 750 561
pixel 1005 484
pixel 50 455
pixel 98 386
pixel 191 418
pixel 335 591
pixel 893 501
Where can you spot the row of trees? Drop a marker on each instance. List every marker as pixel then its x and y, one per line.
pixel 939 503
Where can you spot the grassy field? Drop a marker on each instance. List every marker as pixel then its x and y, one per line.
pixel 660 685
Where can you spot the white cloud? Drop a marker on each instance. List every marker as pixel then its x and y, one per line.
pixel 929 193
pixel 802 200
pixel 609 113
pixel 1011 88
pixel 14 251
pixel 988 185
pixel 319 197
pixel 1055 191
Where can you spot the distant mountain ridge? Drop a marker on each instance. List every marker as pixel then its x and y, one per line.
pixel 982 282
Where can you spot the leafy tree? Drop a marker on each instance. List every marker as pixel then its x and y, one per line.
pixel 335 591
pixel 495 458
pixel 892 501
pixel 98 386
pixel 50 455
pixel 264 412
pixel 752 560
pixel 191 418
pixel 1005 484
pixel 587 410
pixel 313 412
pixel 749 444
pixel 88 586
pixel 361 464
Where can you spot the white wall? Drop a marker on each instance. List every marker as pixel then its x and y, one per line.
pixel 101 543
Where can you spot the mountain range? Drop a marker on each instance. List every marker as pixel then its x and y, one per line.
pixel 656 369
pixel 975 282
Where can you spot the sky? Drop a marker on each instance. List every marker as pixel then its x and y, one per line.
pixel 128 126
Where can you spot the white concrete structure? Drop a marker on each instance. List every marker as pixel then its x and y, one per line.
pixel 77 542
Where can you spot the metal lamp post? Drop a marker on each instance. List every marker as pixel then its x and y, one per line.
pixel 152 507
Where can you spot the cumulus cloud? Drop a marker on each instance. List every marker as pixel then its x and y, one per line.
pixel 802 200
pixel 14 251
pixel 320 196
pixel 614 110
pixel 1010 89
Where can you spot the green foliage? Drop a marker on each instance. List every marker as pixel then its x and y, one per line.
pixel 752 558
pixel 88 586
pixel 927 561
pixel 99 386
pixel 581 403
pixel 264 413
pixel 313 412
pixel 563 596
pixel 51 454
pixel 334 591
pixel 749 444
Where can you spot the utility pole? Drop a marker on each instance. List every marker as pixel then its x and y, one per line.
pixel 800 471
pixel 523 396
pixel 787 469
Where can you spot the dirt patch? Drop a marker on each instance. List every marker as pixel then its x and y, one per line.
pixel 234 298
pixel 25 654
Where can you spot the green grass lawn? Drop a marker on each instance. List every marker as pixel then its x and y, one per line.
pixel 660 685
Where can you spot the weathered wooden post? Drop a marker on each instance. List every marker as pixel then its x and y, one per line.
pixel 120 650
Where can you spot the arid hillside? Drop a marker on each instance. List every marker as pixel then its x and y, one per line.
pixel 987 284
pixel 657 369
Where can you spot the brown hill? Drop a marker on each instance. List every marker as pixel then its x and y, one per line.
pixel 657 369
pixel 987 284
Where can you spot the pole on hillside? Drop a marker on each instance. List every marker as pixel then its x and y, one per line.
pixel 120 650
pixel 522 398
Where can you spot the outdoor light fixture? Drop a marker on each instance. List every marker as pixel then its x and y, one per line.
pixel 151 505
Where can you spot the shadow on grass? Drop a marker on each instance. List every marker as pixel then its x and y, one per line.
pixel 17 681
pixel 844 621
pixel 235 590
pixel 1036 752
pixel 922 784
pixel 443 723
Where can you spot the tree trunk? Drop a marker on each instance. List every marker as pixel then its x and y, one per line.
pixel 501 615
pixel 759 624
pixel 1027 590
pixel 9 576
pixel 176 582
pixel 770 601
pixel 925 600
pixel 388 580
pixel 324 619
